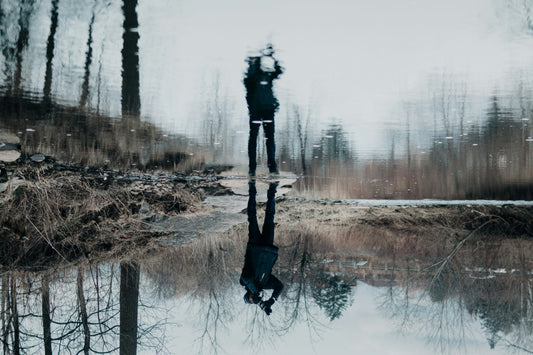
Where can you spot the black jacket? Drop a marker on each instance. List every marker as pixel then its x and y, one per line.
pixel 258 83
pixel 256 273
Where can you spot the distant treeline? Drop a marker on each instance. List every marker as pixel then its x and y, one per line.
pixel 488 160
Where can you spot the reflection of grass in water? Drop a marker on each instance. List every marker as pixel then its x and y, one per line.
pixel 414 237
pixel 83 138
pixel 417 178
pixel 397 244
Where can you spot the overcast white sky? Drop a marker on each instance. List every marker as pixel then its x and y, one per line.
pixel 350 60
pixel 364 328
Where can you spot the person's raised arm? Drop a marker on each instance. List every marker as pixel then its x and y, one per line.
pixel 278 70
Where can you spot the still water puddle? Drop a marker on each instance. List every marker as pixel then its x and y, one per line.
pixel 120 88
pixel 183 300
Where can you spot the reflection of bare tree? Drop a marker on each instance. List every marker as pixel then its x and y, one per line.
pixel 14 15
pixel 77 311
pixel 217 111
pixel 441 304
pixel 131 101
pixel 47 91
pixel 519 14
pixel 88 60
pixel 26 9
pixel 129 303
pixel 211 266
pixel 206 272
pixel 302 135
pixel 298 295
pixel 83 312
pixel 214 316
pixel 11 319
pixel 73 319
pixel 202 272
pixel 45 307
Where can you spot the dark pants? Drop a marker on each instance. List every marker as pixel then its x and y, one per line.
pixel 254 235
pixel 265 117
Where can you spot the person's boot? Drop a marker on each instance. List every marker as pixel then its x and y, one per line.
pixel 273 170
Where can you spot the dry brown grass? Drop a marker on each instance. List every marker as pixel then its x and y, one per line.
pixel 198 268
pixel 418 177
pixel 83 138
pixel 66 217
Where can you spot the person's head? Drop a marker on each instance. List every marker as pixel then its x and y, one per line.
pixel 248 297
pixel 269 50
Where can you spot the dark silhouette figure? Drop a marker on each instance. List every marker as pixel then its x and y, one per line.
pixel 262 104
pixel 261 254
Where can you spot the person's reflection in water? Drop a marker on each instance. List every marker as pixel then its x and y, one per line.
pixel 261 254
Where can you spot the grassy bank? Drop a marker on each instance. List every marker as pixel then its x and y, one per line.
pixel 55 217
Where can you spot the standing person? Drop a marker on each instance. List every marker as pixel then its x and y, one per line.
pixel 262 105
pixel 261 254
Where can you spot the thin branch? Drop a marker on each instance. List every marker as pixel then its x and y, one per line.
pixel 46 239
pixel 444 262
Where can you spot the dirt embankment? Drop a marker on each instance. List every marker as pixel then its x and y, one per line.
pixel 409 237
pixel 508 220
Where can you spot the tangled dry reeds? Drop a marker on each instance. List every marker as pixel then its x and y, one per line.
pixel 64 217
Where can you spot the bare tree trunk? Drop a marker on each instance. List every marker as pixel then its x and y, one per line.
pixel 302 138
pixel 88 61
pixel 50 53
pixel 45 306
pixel 7 48
pixel 129 297
pixel 26 8
pixel 131 101
pixel 83 312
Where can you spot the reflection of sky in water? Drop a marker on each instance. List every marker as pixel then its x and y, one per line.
pixel 349 62
pixel 365 328
pixel 175 312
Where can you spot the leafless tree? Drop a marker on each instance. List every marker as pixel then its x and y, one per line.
pixel 46 319
pixel 88 59
pixel 50 45
pixel 302 127
pixel 131 100
pixel 217 111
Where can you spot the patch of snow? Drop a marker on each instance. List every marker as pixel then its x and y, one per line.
pixel 500 271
